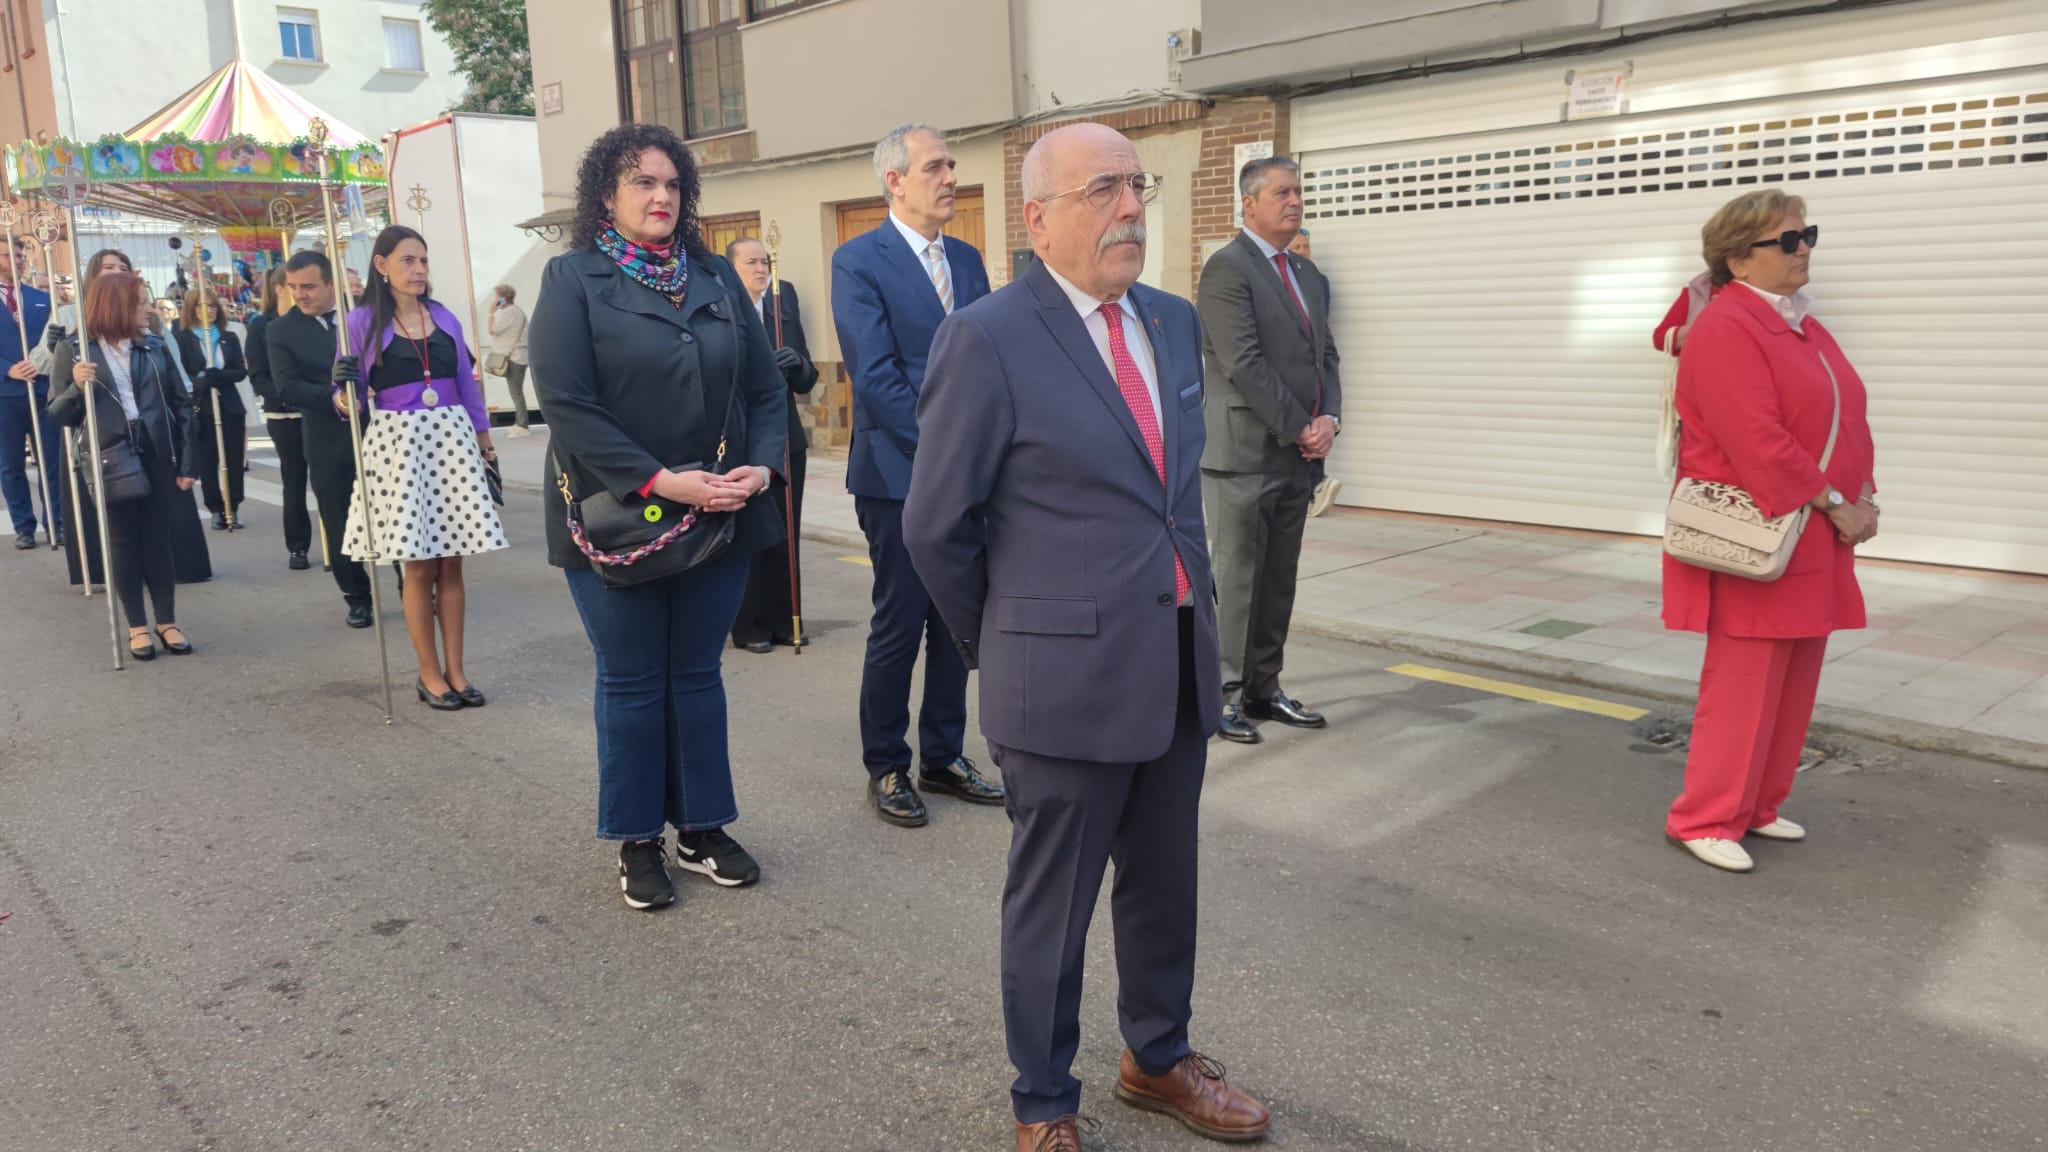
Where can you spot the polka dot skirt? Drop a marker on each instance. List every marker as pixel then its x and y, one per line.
pixel 427 493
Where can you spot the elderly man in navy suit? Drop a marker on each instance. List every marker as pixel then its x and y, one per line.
pixel 891 288
pixel 1055 514
pixel 20 389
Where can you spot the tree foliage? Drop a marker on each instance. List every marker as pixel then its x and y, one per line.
pixel 491 51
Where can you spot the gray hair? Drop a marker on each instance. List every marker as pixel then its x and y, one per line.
pixel 734 246
pixel 507 291
pixel 892 153
pixel 1251 179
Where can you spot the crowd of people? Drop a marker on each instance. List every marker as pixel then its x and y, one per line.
pixel 1089 491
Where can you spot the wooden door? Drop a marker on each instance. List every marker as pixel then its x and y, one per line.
pixel 718 231
pixel 969 222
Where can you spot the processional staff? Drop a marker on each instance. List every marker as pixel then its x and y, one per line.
pixel 42 224
pixel 9 217
pixel 72 194
pixel 317 132
pixel 285 219
pixel 207 321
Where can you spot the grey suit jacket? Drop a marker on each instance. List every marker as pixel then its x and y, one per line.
pixel 1267 370
pixel 1044 535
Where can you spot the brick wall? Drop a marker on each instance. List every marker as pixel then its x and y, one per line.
pixel 1230 123
pixel 1136 123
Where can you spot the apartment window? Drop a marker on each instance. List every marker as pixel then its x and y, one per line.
pixel 402 46
pixel 650 81
pixel 299 30
pixel 773 7
pixel 714 89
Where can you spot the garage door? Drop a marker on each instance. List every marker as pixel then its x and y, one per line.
pixel 1495 295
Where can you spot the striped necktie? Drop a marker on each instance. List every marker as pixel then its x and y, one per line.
pixel 940 280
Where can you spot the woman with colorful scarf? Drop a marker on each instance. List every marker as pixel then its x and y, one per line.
pixel 647 361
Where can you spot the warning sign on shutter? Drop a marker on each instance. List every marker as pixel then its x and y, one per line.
pixel 1596 94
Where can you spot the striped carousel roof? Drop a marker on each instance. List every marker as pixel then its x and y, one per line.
pixel 242 100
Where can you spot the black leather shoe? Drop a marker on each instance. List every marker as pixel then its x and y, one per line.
pixel 959 780
pixel 1289 712
pixel 471 698
pixel 146 652
pixel 220 521
pixel 445 702
pixel 800 642
pixel 758 647
pixel 299 562
pixel 180 648
pixel 1235 727
pixel 897 802
pixel 24 541
pixel 359 616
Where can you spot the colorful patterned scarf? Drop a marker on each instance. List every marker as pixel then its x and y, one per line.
pixel 663 268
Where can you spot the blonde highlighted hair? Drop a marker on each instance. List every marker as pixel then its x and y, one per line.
pixel 1733 229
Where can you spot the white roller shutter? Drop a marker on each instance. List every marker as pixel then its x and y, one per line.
pixel 1495 295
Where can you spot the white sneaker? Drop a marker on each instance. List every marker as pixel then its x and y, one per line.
pixel 1723 854
pixel 517 432
pixel 1326 495
pixel 1780 829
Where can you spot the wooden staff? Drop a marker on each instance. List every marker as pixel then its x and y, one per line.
pixel 796 603
pixel 9 216
pixel 317 131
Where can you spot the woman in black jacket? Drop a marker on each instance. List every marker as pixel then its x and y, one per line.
pixel 138 398
pixel 213 359
pixel 646 359
pixel 282 421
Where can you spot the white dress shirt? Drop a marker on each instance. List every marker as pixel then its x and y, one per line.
pixel 1793 308
pixel 124 383
pixel 1098 330
pixel 920 248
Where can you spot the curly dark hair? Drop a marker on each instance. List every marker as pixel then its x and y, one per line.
pixel 616 153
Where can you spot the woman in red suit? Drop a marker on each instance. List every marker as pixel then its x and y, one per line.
pixel 1757 394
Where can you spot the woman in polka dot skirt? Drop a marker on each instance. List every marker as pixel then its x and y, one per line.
pixel 423 489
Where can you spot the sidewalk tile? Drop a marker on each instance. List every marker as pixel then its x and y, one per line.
pixel 1999 656
pixel 1926 709
pixel 2021 716
pixel 1957 682
pixel 1582 650
pixel 1919 645
pixel 1677 655
pixel 1618 639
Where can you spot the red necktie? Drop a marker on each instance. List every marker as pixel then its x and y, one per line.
pixel 1131 383
pixel 1293 293
pixel 7 296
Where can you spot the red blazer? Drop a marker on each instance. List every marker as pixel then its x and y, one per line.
pixel 1754 402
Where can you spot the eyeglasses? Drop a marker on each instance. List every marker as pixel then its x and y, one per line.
pixel 1102 191
pixel 1789 242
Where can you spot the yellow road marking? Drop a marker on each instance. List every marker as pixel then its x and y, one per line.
pixel 1522 692
pixel 860 560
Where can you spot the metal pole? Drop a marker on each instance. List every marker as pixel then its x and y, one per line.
pixel 796 603
pixel 208 316
pixel 286 218
pixel 9 217
pixel 99 485
pixel 317 130
pixel 44 227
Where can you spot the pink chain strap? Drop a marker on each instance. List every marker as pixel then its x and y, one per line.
pixel 621 559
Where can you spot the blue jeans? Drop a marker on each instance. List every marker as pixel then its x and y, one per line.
pixel 661 749
pixel 16 430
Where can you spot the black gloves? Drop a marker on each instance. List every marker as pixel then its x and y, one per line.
pixel 347 370
pixel 791 364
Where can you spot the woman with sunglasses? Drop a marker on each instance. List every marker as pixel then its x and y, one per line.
pixel 1765 395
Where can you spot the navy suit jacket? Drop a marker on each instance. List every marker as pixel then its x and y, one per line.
pixel 1043 533
pixel 36 311
pixel 887 311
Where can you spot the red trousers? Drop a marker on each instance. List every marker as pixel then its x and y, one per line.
pixel 1756 700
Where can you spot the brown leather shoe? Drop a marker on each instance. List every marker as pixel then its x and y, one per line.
pixel 1195 1093
pixel 1061 1135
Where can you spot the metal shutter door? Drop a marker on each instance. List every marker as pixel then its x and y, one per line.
pixel 1495 296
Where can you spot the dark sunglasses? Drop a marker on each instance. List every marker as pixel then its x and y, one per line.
pixel 1788 242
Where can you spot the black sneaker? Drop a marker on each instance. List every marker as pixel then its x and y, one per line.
pixel 642 877
pixel 717 856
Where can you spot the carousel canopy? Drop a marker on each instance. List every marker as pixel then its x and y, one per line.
pixel 223 154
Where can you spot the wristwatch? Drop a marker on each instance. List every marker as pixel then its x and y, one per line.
pixel 1336 421
pixel 1835 500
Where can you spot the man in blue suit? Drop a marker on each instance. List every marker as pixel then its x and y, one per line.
pixel 1056 515
pixel 890 290
pixel 20 388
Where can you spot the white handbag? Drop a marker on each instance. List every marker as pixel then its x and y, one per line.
pixel 1717 526
pixel 1667 421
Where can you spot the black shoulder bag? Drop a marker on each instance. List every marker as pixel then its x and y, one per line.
pixel 120 475
pixel 641 539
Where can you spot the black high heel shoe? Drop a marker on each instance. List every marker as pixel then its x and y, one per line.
pixel 445 702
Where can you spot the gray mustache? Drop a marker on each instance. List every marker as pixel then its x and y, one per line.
pixel 1132 233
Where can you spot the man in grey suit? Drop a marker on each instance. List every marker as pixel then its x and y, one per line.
pixel 1055 516
pixel 1272 411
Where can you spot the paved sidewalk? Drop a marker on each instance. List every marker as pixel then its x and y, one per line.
pixel 1953 659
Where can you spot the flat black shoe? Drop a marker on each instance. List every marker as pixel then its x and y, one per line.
pixel 959 779
pixel 181 648
pixel 146 652
pixel 24 541
pixel 220 522
pixel 471 698
pixel 1289 712
pixel 299 563
pixel 359 616
pixel 897 802
pixel 1236 728
pixel 758 647
pixel 643 878
pixel 445 702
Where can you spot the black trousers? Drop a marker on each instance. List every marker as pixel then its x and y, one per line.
pixel 207 458
pixel 1068 820
pixel 139 536
pixel 766 613
pixel 332 467
pixel 905 619
pixel 289 437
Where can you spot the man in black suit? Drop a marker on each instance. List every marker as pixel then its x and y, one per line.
pixel 302 345
pixel 1272 411
pixel 768 615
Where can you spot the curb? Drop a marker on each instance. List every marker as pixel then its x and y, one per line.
pixel 1829 719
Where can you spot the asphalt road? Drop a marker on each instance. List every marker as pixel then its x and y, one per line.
pixel 247 916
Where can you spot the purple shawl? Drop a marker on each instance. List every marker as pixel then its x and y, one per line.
pixel 406 398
